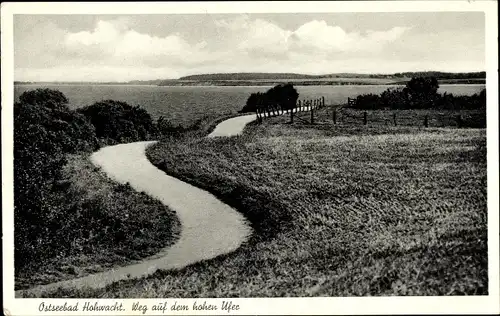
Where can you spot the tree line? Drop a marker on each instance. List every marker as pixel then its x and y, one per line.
pixel 443 75
pixel 419 93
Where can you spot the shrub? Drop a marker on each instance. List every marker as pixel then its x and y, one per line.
pixel 53 99
pixel 368 102
pixel 419 93
pixel 118 121
pixel 44 131
pixel 462 102
pixel 395 97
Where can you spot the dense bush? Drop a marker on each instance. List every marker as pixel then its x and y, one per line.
pixel 280 97
pixel 443 75
pixel 368 101
pixel 419 93
pixel 117 121
pixel 392 96
pixel 44 131
pixel 48 98
pixel 462 102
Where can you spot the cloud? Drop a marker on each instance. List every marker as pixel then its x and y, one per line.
pixel 254 36
pixel 116 49
pixel 117 44
pixel 314 37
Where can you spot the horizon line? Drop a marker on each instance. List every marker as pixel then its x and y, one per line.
pixel 245 72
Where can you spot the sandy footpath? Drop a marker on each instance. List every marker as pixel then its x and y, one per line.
pixel 235 126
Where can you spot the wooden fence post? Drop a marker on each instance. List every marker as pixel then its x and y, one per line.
pixel 426 121
pixel 322 101
pixel 334 116
pixel 312 116
pixel 364 118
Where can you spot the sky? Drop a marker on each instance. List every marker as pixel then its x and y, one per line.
pixel 146 47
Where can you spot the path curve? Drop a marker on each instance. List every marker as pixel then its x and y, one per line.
pixel 233 126
pixel 209 227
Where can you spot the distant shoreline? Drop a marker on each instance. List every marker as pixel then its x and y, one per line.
pixel 236 83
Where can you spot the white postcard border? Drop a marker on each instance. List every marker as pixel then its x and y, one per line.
pixel 272 306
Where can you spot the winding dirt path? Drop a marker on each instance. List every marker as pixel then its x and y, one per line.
pixel 209 227
pixel 233 126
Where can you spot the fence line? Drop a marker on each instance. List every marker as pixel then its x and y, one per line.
pixel 340 114
pixel 451 119
pixel 300 106
pixel 428 118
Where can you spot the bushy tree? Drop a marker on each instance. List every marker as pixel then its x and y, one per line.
pixel 284 96
pixel 422 91
pixel 49 98
pixel 279 97
pixel 252 101
pixel 119 121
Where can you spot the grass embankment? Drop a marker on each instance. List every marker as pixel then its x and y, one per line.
pixel 109 224
pixel 337 211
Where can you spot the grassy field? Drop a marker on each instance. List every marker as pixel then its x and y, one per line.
pixel 109 225
pixel 337 211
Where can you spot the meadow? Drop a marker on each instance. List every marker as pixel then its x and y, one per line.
pixel 185 105
pixel 337 211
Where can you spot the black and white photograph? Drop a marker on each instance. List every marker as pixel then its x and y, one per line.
pixel 249 158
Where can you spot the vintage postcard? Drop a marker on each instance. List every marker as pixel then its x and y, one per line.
pixel 207 158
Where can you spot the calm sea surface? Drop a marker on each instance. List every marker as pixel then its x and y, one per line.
pixel 183 105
